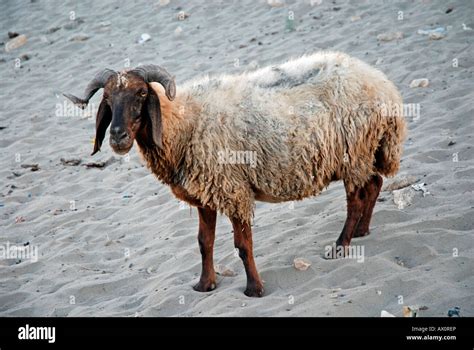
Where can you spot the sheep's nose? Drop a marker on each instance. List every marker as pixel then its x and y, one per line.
pixel 118 133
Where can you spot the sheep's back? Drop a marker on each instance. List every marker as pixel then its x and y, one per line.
pixel 305 122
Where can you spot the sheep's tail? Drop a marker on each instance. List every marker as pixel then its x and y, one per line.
pixel 389 151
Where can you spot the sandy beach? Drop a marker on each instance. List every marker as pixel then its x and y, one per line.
pixel 100 236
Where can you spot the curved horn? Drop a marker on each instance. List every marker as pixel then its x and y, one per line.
pixel 153 73
pixel 98 82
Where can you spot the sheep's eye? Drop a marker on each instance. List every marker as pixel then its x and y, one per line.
pixel 142 93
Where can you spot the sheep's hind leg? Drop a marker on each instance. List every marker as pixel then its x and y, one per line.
pixel 206 236
pixel 243 242
pixel 372 188
pixel 355 207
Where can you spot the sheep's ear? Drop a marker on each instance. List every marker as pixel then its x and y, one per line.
pixel 153 109
pixel 102 122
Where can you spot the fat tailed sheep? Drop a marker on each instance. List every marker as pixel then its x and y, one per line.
pixel 280 133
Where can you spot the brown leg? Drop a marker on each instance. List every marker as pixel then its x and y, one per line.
pixel 355 207
pixel 206 235
pixel 243 242
pixel 372 189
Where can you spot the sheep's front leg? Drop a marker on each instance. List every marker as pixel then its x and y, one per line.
pixel 243 242
pixel 206 236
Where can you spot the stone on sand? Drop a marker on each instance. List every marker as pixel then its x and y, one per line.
pixel 423 82
pixel 301 264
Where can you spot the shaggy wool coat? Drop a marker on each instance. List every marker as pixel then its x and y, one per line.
pixel 280 133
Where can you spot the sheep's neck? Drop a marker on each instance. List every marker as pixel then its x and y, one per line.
pixel 167 162
pixel 156 160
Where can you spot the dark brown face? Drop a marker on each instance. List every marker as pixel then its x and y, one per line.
pixel 125 95
pixel 128 105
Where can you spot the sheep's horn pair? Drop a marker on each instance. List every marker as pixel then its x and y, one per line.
pixel 149 73
pixel 97 83
pixel 153 73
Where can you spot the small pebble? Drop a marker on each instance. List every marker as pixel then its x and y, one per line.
pixel 181 15
pixel 436 36
pixel 390 36
pixel 301 264
pixel 79 37
pixel 144 38
pixel 15 43
pixel 423 82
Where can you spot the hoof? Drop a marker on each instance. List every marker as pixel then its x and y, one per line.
pixel 254 291
pixel 361 233
pixel 205 286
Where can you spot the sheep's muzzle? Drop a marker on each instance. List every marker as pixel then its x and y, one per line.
pixel 120 140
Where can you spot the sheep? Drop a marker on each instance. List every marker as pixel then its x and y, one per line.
pixel 305 123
